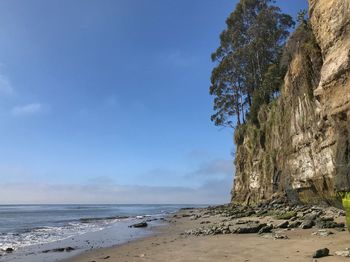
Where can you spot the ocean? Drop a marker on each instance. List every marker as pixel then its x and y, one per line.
pixel 32 230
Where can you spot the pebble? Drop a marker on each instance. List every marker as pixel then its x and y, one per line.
pixel 343 253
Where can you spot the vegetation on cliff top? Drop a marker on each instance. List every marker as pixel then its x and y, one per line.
pixel 248 72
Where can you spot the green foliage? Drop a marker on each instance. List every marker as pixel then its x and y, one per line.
pixel 302 17
pixel 281 215
pixel 248 73
pixel 272 81
pixel 302 39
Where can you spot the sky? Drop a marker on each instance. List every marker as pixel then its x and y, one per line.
pixel 107 101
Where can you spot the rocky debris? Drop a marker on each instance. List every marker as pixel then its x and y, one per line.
pixel 323 223
pixel 249 228
pixel 322 233
pixel 275 236
pixel 321 253
pixel 343 253
pixel 230 228
pixel 279 236
pixel 61 249
pixel 195 217
pixel 233 219
pixel 231 210
pixel 9 250
pixel 138 225
pixel 214 229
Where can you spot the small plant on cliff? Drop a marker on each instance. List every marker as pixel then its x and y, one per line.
pixel 247 72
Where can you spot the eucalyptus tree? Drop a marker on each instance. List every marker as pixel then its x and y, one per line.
pixel 250 47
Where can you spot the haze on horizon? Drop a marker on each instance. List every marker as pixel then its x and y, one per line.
pixel 107 101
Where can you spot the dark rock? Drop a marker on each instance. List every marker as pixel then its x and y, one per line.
pixel 138 225
pixel 187 208
pixel 293 219
pixel 249 213
pixel 321 253
pixel 9 250
pixel 151 219
pixel 242 222
pixel 327 218
pixel 311 216
pixel 61 249
pixel 284 224
pixel 339 229
pixel 261 213
pixel 329 224
pixel 249 228
pixel 265 229
pixel 294 224
pixel 307 224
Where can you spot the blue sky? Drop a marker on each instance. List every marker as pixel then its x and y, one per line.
pixel 107 101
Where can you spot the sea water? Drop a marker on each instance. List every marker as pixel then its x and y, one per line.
pixel 32 229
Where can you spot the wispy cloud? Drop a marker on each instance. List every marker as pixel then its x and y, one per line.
pixel 178 59
pixel 6 87
pixel 13 173
pixel 29 109
pixel 214 168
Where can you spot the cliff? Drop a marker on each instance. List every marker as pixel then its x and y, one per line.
pixel 301 146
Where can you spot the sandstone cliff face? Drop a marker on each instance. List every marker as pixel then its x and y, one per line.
pixel 302 146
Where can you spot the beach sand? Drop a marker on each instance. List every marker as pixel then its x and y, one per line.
pixel 170 244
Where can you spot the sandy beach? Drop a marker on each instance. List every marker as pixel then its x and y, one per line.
pixel 171 243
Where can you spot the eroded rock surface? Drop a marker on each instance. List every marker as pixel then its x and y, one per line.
pixel 301 147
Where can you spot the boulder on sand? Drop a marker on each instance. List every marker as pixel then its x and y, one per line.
pixel 141 224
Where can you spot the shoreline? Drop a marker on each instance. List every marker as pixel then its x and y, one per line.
pixel 117 233
pixel 213 235
pixel 71 230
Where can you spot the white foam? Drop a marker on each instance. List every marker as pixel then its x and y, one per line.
pixel 50 234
